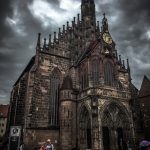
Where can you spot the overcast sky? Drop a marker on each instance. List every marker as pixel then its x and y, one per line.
pixel 21 20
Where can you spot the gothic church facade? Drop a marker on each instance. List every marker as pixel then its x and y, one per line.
pixel 76 89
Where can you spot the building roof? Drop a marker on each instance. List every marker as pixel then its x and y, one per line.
pixel 28 67
pixel 145 87
pixel 91 46
pixel 4 111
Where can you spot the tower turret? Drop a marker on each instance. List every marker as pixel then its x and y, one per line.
pixel 38 41
pixel 88 12
pixel 67 115
pixel 128 69
pixel 44 45
pixel 50 40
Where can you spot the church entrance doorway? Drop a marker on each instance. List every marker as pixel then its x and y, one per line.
pixel 85 138
pixel 116 131
pixel 106 138
pixel 120 138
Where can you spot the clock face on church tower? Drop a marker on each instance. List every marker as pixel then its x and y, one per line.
pixel 107 38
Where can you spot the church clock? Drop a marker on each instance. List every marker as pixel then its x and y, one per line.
pixel 107 38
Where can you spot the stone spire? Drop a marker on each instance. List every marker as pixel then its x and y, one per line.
pixel 128 66
pixel 120 60
pixel 128 69
pixel 104 23
pixel 88 12
pixel 59 33
pixel 123 64
pixel 45 44
pixel 98 25
pixel 38 41
pixel 50 39
pixel 78 18
pixel 55 37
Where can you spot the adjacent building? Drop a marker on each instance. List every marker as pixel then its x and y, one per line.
pixel 76 90
pixel 3 119
pixel 144 100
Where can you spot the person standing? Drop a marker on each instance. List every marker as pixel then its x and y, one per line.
pixel 49 146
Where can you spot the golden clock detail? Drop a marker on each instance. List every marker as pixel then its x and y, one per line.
pixel 107 38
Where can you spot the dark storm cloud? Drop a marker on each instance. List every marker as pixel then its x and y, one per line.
pixel 135 23
pixel 18 35
pixel 54 2
pixel 5 11
pixel 128 22
pixel 135 10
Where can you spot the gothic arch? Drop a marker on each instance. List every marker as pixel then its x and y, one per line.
pixel 117 125
pixel 95 70
pixel 55 70
pixel 55 79
pixel 109 73
pixel 84 80
pixel 86 105
pixel 114 110
pixel 85 141
pixel 115 102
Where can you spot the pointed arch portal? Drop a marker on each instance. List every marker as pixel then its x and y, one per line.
pixel 85 129
pixel 116 131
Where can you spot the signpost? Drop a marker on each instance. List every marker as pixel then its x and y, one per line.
pixel 14 138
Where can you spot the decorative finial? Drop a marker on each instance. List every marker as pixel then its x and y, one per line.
pixel 72 23
pixel 59 32
pixel 67 25
pixel 128 66
pixel 44 46
pixel 54 36
pixel 50 39
pixel 78 18
pixel 104 23
pixel 123 64
pixel 74 19
pixel 128 69
pixel 39 40
pixel 120 59
pixel 116 53
pixel 98 24
pixel 104 15
pixel 63 28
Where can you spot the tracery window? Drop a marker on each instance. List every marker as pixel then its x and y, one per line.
pixel 95 72
pixel 84 79
pixel 108 74
pixel 54 97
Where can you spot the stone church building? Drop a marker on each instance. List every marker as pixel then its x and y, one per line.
pixel 76 89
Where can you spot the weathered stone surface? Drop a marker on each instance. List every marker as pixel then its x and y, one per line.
pixel 97 103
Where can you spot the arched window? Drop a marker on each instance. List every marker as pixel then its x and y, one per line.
pixel 84 79
pixel 95 72
pixel 108 74
pixel 54 97
pixel 85 129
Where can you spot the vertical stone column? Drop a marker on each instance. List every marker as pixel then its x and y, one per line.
pixel 67 125
pixel 100 134
pixel 95 123
pixel 113 139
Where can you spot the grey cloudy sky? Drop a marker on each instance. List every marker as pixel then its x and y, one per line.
pixel 21 20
